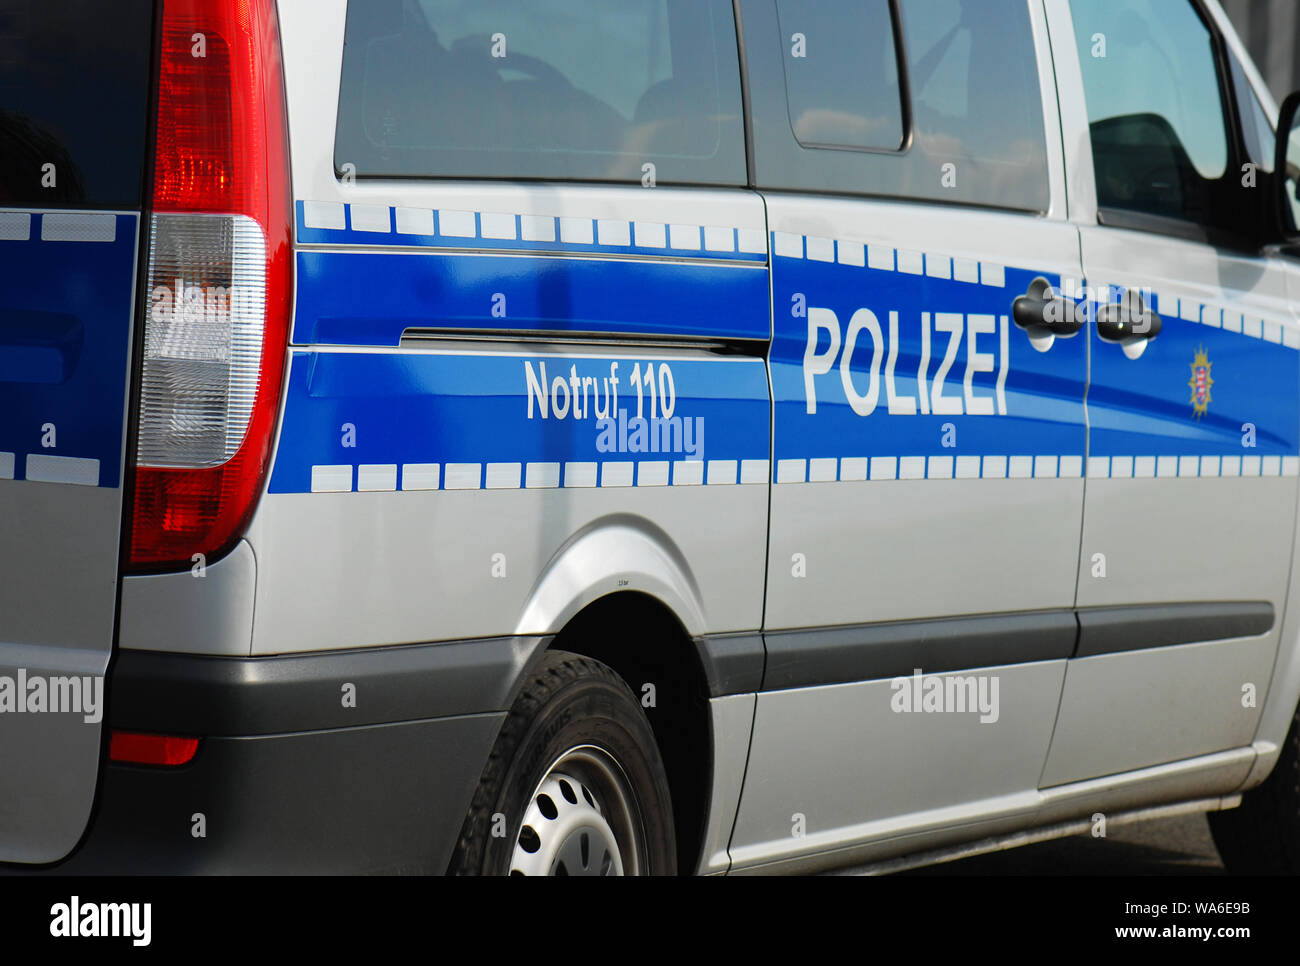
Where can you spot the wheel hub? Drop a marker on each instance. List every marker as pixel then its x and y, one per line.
pixel 578 820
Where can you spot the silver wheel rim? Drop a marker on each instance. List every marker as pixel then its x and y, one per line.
pixel 581 819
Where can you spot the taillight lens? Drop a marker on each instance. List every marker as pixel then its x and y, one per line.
pixel 219 278
pixel 133 748
pixel 204 329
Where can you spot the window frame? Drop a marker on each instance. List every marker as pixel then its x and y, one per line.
pixel 1237 237
pixel 904 92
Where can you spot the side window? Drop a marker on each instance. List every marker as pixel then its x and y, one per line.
pixel 841 73
pixel 960 120
pixel 975 81
pixel 554 89
pixel 74 82
pixel 1159 133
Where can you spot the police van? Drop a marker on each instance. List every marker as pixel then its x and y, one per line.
pixel 596 437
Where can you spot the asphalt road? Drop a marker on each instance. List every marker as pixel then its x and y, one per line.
pixel 1169 846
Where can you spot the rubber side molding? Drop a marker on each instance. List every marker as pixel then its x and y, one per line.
pixel 733 663
pixel 221 696
pixel 870 652
pixel 808 658
pixel 1110 630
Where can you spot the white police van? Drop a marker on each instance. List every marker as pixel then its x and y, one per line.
pixel 637 436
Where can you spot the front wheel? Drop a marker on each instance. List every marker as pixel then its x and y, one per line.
pixel 574 784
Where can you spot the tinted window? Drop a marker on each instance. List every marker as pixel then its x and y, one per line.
pixel 976 105
pixel 841 73
pixel 569 89
pixel 974 81
pixel 1159 138
pixel 74 94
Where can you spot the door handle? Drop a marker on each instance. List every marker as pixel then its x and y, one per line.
pixel 1041 312
pixel 1127 320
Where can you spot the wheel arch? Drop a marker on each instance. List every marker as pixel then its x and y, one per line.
pixel 619 552
pixel 646 644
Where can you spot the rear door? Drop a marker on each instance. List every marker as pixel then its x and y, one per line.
pixel 1193 427
pixel 74 77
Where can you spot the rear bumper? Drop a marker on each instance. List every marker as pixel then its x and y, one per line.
pixel 292 778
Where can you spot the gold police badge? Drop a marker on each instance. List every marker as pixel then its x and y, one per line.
pixel 1200 382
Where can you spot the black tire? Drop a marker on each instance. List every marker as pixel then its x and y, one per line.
pixel 1262 835
pixel 567 702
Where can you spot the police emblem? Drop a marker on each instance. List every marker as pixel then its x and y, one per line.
pixel 1200 382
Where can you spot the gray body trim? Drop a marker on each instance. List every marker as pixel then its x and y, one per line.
pixel 219 696
pixel 836 655
pixel 383 799
pixel 1111 630
pixel 1046 833
pixel 733 663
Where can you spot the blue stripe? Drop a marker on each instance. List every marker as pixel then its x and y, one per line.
pixel 1144 407
pixel 1044 391
pixel 370 298
pixel 65 334
pixel 1136 407
pixel 436 408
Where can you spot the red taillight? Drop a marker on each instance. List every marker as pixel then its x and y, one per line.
pixel 220 274
pixel 129 747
